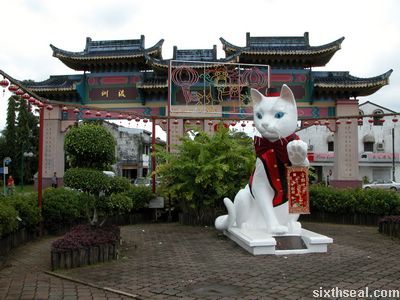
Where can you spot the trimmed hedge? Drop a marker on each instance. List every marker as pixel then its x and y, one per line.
pixel 354 201
pixel 63 207
pixel 18 211
pixel 8 219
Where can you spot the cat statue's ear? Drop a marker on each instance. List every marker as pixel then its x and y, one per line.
pixel 256 96
pixel 287 94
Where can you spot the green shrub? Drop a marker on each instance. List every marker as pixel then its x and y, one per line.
pixel 27 207
pixel 118 184
pixel 341 201
pixel 140 195
pixel 63 206
pixel 8 218
pixel 116 204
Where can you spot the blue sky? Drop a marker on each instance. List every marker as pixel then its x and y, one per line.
pixel 371 30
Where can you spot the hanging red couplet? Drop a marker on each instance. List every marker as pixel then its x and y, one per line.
pixel 297 179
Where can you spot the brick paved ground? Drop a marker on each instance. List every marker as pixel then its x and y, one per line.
pixel 170 261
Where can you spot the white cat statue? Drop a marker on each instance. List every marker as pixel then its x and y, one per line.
pixel 263 204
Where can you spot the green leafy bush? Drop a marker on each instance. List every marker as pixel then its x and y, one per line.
pixel 371 201
pixel 63 206
pixel 90 181
pixel 90 146
pixel 118 184
pixel 206 169
pixel 27 207
pixel 8 218
pixel 116 204
pixel 140 196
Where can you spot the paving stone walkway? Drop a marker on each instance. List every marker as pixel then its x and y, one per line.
pixel 170 261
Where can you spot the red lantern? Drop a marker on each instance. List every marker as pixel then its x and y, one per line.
pixel 327 123
pixel 49 107
pixel 338 122
pixel 129 118
pixel 32 100
pixel 164 121
pixel 25 96
pixel 145 121
pixel 65 109
pixel 198 122
pixel 187 122
pixel 316 123
pixel 348 121
pixel 210 123
pixel 360 121
pixel 88 112
pixel 120 116
pixel 176 122
pixel 108 115
pixel 305 123
pixel 4 83
pixel 98 114
pixel 12 88
pixel 394 120
pixel 243 124
pixel 76 111
pixel 19 92
pixel 137 119
pixel 370 121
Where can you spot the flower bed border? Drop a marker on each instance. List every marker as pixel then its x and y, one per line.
pixel 390 225
pixel 84 256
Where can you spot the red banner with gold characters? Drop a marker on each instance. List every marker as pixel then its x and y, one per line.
pixel 297 179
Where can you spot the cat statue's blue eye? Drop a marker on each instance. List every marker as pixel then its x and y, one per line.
pixel 259 115
pixel 279 115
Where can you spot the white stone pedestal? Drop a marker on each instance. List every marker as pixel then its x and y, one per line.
pixel 258 242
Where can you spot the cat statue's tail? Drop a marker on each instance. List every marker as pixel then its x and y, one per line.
pixel 226 221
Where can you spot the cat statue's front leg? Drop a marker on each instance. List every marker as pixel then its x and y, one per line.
pixel 263 194
pixel 297 151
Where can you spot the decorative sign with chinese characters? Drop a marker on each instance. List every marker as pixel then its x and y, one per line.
pixel 297 178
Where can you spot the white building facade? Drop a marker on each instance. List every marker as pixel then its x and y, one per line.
pixel 378 145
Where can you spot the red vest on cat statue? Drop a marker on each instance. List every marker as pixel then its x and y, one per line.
pixel 275 159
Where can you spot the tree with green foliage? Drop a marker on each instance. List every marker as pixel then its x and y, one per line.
pixel 10 134
pixel 91 149
pixel 28 134
pixel 90 146
pixel 206 169
pixel 20 135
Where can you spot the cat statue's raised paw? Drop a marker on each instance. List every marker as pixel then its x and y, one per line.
pixel 263 204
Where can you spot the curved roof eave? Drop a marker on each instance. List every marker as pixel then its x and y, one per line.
pixel 164 63
pixel 357 82
pixel 82 55
pixel 311 50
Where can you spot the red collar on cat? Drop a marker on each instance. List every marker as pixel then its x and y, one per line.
pixel 274 157
pixel 262 145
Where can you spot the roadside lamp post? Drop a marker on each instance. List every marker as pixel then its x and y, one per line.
pixel 6 161
pixel 25 154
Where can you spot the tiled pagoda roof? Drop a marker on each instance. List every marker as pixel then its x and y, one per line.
pixel 209 55
pixel 343 82
pixel 59 87
pixel 109 55
pixel 283 51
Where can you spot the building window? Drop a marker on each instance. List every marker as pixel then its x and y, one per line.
pixel 368 146
pixel 331 146
pixel 378 118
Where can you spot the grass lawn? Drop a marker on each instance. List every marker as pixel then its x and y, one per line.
pixel 27 188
